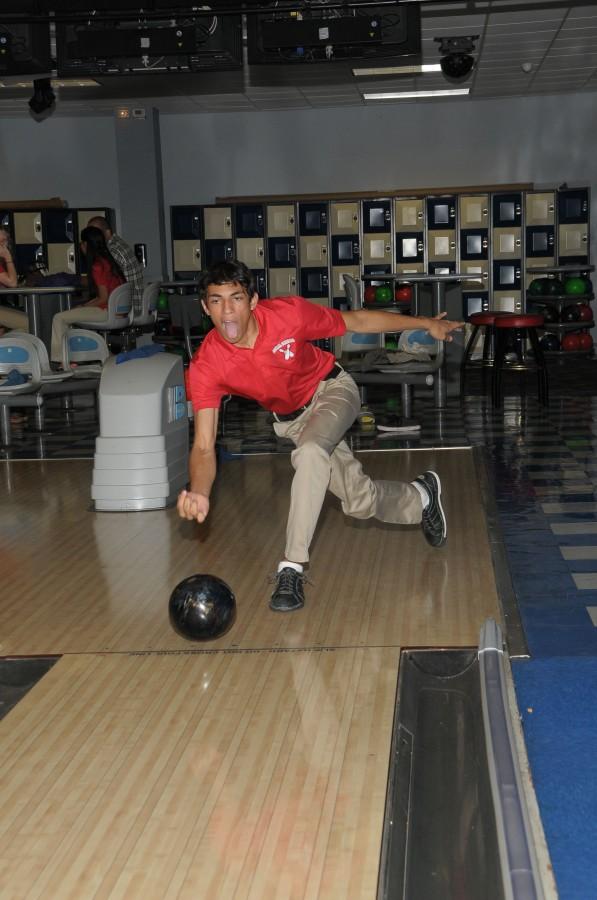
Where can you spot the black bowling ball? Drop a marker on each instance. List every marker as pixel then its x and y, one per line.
pixel 550 314
pixel 202 607
pixel 570 314
pixel 549 342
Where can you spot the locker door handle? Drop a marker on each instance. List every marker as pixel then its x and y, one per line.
pixel 517 273
pixel 485 212
pixel 355 218
pixel 420 214
pixel 388 248
pixel 420 246
pixel 291 220
pixel 260 251
pixel 517 242
pixel 197 253
pixel 324 250
pixel 485 243
pixel 387 215
pixel 584 238
pixel 550 240
pixel 452 245
pixel 228 222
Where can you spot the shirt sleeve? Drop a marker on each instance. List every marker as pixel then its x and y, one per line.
pixel 319 321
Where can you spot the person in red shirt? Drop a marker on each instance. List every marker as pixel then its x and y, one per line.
pixel 104 274
pixel 263 350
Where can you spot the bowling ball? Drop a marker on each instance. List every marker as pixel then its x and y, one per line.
pixel 550 314
pixel 202 607
pixel 403 293
pixel 585 341
pixel 585 313
pixel 369 294
pixel 163 303
pixel 384 294
pixel 550 342
pixel 575 286
pixel 570 314
pixel 553 287
pixel 535 288
pixel 571 342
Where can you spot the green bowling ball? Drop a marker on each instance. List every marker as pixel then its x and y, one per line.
pixel 384 294
pixel 535 288
pixel 162 304
pixel 575 285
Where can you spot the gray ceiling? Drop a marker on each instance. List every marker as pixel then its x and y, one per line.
pixel 557 42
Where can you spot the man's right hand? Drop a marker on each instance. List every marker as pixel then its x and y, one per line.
pixel 192 506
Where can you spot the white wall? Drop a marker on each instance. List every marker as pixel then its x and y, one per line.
pixel 542 140
pixel 71 158
pixel 389 147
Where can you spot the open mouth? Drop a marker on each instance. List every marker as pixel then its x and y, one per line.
pixel 231 330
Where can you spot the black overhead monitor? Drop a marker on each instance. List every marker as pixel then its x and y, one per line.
pixel 24 48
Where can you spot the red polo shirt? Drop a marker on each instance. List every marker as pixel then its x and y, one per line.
pixel 281 371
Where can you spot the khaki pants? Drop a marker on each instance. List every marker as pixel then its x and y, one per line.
pixel 63 320
pixel 322 460
pixel 13 319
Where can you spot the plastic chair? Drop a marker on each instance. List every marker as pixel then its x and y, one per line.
pixel 149 306
pixel 119 311
pixel 17 354
pixel 48 376
pixel 87 349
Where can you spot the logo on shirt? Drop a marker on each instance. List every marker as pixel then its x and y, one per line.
pixel 285 347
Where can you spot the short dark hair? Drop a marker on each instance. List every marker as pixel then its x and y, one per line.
pixel 231 271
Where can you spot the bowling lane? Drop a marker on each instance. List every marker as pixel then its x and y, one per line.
pixel 79 581
pixel 240 775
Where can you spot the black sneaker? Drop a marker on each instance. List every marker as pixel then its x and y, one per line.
pixel 433 522
pixel 289 593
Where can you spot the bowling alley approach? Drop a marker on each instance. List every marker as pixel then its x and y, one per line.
pixel 298 406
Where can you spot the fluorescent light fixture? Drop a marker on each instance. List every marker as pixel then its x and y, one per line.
pixel 406 95
pixel 398 70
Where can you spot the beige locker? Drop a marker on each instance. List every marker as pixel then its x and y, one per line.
pixel 313 251
pixel 187 256
pixel 377 249
pixel 281 282
pixel 441 246
pixel 507 243
pixel 27 228
pixel 61 258
pixel 537 262
pixel 281 220
pixel 251 251
pixel 475 268
pixel 338 280
pixel 344 218
pixel 507 301
pixel 573 240
pixel 217 222
pixel 409 214
pixel 540 208
pixel 410 268
pixel 474 210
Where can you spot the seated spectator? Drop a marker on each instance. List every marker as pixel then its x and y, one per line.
pixel 104 274
pixel 125 257
pixel 9 317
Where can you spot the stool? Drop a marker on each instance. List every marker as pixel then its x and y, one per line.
pixel 480 320
pixel 521 326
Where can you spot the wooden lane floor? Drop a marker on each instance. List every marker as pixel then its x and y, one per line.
pixel 76 581
pixel 220 775
pixel 143 766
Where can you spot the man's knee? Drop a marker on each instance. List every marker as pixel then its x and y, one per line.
pixel 310 454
